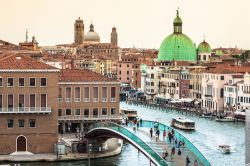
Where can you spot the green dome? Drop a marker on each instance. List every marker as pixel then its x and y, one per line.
pixel 204 47
pixel 177 20
pixel 177 47
pixel 219 52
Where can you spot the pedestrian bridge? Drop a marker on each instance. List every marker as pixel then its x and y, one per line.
pixel 109 129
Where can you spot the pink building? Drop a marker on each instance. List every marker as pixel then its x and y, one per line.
pixel 124 72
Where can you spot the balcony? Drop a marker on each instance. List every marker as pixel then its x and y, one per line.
pixel 104 99
pixel 67 100
pixel 60 100
pixel 89 117
pixel 86 100
pixel 95 99
pixel 25 110
pixel 77 100
pixel 112 99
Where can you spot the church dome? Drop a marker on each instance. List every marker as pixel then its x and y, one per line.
pixel 92 36
pixel 204 47
pixel 219 52
pixel 177 46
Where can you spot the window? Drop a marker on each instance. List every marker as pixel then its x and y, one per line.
pixel 43 82
pixel 21 102
pixel 59 112
pixel 95 112
pixel 221 77
pixel 68 94
pixel 32 82
pixel 1 102
pixel 104 111
pixel 10 102
pixel 152 83
pixel 1 82
pixel 113 111
pixel 32 101
pixel 59 94
pixel 43 100
pixel 32 123
pixel 113 92
pixel 86 112
pixel 21 123
pixel 21 82
pixel 221 92
pixel 77 94
pixel 68 111
pixel 10 123
pixel 86 94
pixel 77 111
pixel 95 94
pixel 127 65
pixel 127 72
pixel 152 75
pixel 10 82
pixel 104 94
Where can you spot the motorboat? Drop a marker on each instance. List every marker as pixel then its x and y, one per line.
pixel 224 119
pixel 207 115
pixel 240 114
pixel 130 114
pixel 226 149
pixel 183 123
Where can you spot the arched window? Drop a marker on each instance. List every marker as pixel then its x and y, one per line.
pixel 152 75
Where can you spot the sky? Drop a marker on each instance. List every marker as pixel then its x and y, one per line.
pixel 139 23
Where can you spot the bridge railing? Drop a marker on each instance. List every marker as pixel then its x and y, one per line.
pixel 179 136
pixel 157 158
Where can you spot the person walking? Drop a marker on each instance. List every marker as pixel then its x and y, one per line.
pixel 195 163
pixel 157 134
pixel 179 151
pixel 187 161
pixel 172 152
pixel 141 122
pixel 151 133
pixel 164 134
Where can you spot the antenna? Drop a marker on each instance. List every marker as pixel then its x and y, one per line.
pixel 26 37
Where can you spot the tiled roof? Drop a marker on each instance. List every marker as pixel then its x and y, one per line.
pixel 82 75
pixel 22 61
pixel 226 69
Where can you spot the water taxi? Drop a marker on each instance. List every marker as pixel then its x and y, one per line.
pixel 224 119
pixel 240 114
pixel 183 123
pixel 207 115
pixel 226 149
pixel 130 114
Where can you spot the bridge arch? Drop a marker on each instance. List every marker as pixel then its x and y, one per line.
pixel 112 130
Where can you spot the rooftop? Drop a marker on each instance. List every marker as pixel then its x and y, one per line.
pixel 82 75
pixel 22 61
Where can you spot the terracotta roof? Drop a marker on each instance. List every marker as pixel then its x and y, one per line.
pixel 82 75
pixel 227 69
pixel 22 61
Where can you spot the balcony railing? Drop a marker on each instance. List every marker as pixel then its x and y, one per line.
pixel 95 99
pixel 89 117
pixel 60 100
pixel 25 110
pixel 112 99
pixel 77 99
pixel 86 100
pixel 104 99
pixel 208 95
pixel 67 100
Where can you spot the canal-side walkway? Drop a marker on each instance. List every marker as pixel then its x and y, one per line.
pixel 161 147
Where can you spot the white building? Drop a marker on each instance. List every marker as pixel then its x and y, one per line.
pixel 243 93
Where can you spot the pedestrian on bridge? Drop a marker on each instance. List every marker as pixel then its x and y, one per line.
pixel 164 134
pixel 151 133
pixel 187 161
pixel 157 134
pixel 172 152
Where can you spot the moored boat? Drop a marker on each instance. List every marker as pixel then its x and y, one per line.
pixel 226 149
pixel 225 119
pixel 183 123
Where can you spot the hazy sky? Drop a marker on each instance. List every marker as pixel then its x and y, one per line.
pixel 142 23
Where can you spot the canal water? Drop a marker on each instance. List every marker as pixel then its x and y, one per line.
pixel 207 136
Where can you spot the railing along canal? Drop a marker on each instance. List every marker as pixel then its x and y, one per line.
pixel 179 136
pixel 157 159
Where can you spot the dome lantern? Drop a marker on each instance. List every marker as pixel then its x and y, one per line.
pixel 177 23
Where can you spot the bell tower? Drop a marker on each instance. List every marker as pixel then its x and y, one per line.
pixel 79 31
pixel 114 40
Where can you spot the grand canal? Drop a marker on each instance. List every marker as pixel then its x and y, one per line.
pixel 208 135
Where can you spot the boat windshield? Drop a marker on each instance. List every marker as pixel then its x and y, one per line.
pixel 189 124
